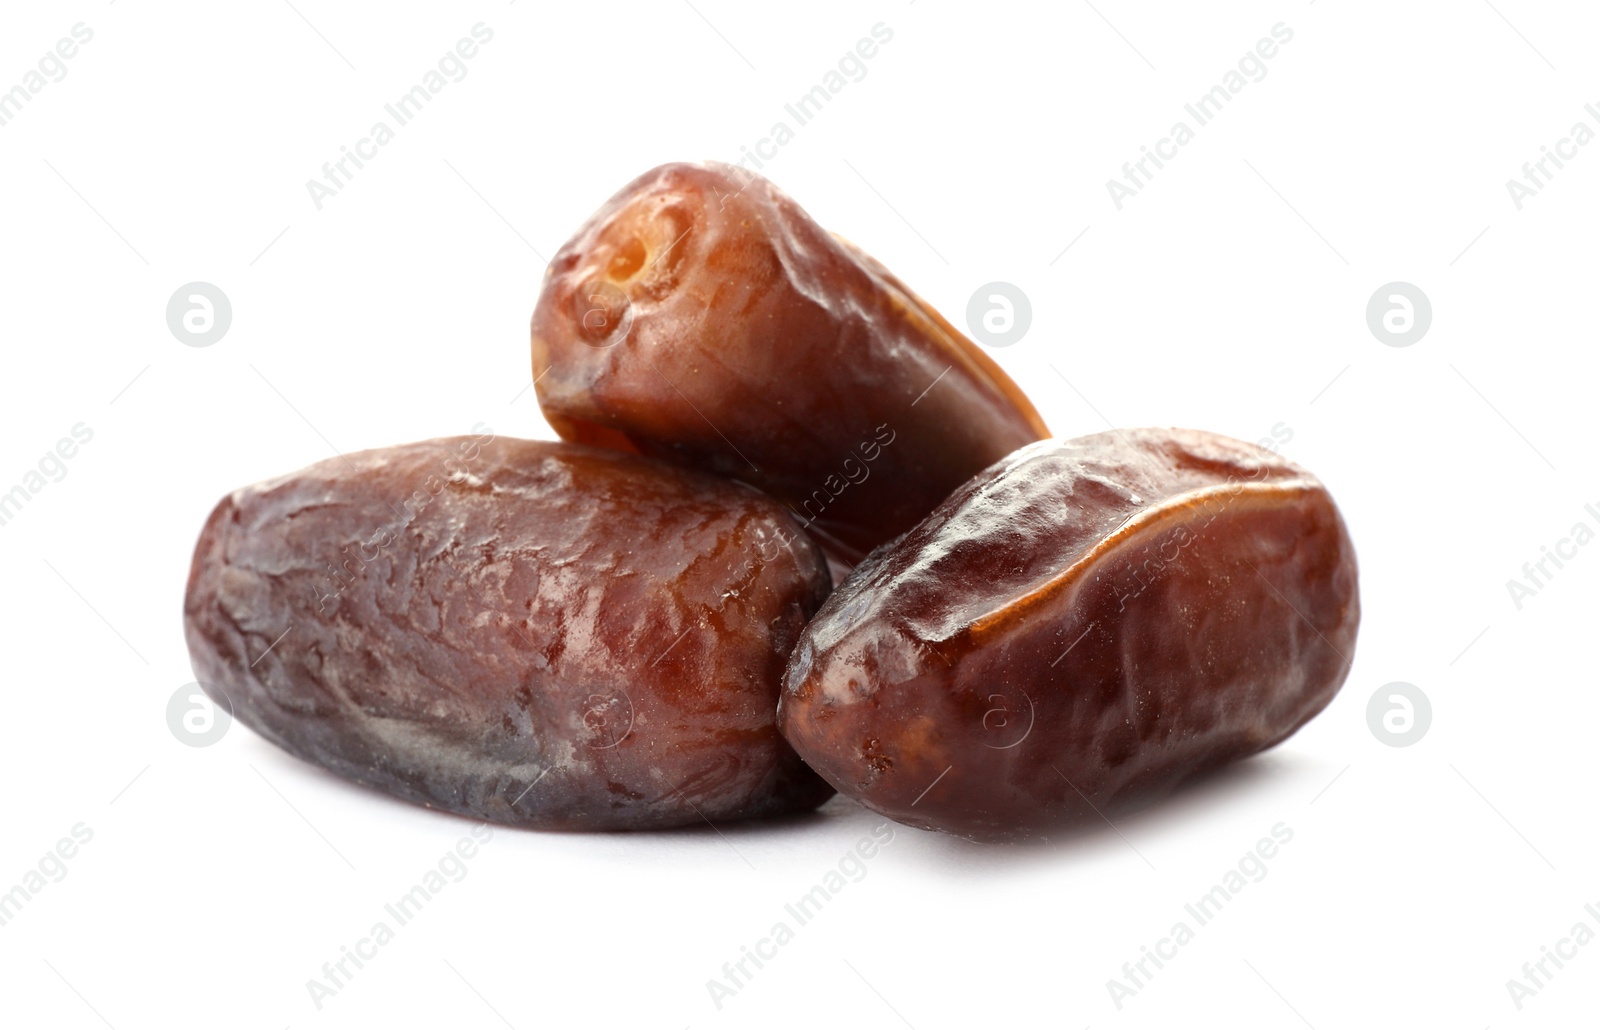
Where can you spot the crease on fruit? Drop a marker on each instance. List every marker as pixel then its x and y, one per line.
pixel 1165 511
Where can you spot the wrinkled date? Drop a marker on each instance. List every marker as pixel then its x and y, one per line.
pixel 540 634
pixel 702 317
pixel 1083 626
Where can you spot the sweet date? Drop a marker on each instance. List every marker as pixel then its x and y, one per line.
pixel 702 317
pixel 541 634
pixel 1081 628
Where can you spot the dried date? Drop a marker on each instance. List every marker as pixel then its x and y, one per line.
pixel 541 634
pixel 1081 628
pixel 702 317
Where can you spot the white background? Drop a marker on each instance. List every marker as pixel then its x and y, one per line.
pixel 1229 294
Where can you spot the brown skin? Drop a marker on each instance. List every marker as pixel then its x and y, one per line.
pixel 1079 629
pixel 702 317
pixel 467 616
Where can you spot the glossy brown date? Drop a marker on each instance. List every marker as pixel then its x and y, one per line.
pixel 702 317
pixel 540 634
pixel 1082 627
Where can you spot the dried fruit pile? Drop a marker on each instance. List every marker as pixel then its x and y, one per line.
pixel 633 629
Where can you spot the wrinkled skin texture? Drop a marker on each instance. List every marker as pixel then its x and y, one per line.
pixel 539 634
pixel 702 317
pixel 1088 622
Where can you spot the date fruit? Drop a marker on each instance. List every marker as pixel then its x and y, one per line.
pixel 541 634
pixel 702 317
pixel 1082 627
